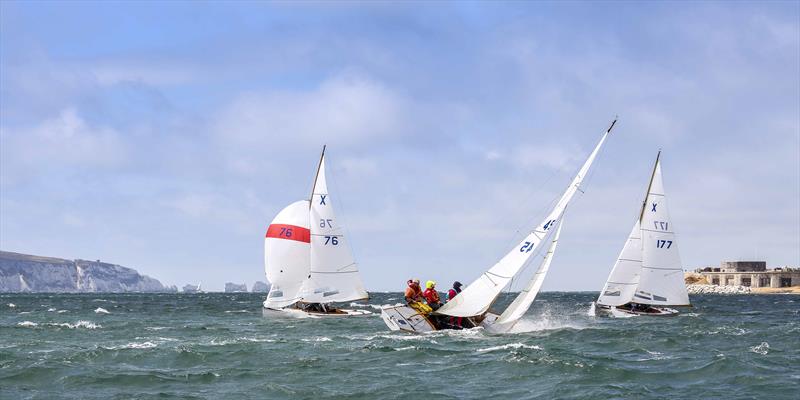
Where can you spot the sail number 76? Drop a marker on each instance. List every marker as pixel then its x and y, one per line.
pixel 661 243
pixel 332 240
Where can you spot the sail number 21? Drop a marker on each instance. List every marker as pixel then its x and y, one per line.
pixel 526 247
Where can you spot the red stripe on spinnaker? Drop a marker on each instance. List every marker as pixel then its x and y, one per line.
pixel 291 232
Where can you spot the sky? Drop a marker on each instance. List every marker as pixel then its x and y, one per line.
pixel 166 136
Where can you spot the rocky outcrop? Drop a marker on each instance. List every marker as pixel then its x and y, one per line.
pixel 235 287
pixel 189 288
pixel 717 289
pixel 28 273
pixel 260 287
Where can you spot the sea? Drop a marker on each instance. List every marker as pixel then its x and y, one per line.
pixel 221 346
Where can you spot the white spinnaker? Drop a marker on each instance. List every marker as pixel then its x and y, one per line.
pixel 661 281
pixel 476 298
pixel 624 277
pixel 334 274
pixel 523 302
pixel 286 254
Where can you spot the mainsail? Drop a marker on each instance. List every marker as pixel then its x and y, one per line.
pixel 520 305
pixel 476 298
pixel 662 281
pixel 286 254
pixel 334 274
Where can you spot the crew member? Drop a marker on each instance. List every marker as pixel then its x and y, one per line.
pixel 414 297
pixel 453 292
pixel 431 295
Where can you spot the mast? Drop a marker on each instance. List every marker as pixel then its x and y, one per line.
pixel 649 185
pixel 314 185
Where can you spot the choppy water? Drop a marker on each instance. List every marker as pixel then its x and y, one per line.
pixel 220 346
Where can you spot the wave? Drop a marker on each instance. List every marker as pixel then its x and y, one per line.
pixel 11 305
pixel 133 345
pixel 101 310
pixel 319 339
pixel 79 324
pixel 236 311
pixel 762 349
pixel 509 346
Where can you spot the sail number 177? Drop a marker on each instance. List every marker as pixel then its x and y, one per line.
pixel 661 243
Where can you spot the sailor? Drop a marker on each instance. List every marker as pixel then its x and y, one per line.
pixel 431 295
pixel 455 322
pixel 414 297
pixel 454 291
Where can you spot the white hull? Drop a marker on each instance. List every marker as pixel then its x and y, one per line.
pixel 618 312
pixel 407 319
pixel 298 313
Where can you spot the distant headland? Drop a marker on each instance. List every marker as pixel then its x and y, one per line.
pixel 29 273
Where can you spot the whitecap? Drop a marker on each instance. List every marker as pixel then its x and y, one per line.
pixel 319 339
pixel 133 345
pixel 11 305
pixel 656 355
pixel 62 311
pixel 405 348
pixel 101 310
pixel 236 311
pixel 79 324
pixel 509 346
pixel 154 328
pixel 27 324
pixel 24 312
pixel 762 349
pixel 51 309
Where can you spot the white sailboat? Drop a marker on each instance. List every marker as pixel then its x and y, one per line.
pixel 307 258
pixel 471 307
pixel 648 274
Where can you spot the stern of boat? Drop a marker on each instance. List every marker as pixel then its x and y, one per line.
pixel 406 319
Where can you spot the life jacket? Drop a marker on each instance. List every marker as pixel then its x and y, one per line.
pixel 451 293
pixel 432 296
pixel 413 293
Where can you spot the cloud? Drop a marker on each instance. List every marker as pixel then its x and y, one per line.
pixel 63 141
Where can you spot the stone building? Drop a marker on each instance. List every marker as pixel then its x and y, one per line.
pixel 750 274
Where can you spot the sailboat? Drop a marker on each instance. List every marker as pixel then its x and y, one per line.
pixel 648 274
pixel 308 260
pixel 472 307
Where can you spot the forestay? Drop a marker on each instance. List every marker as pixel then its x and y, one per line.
pixel 624 277
pixel 476 298
pixel 661 281
pixel 520 305
pixel 286 254
pixel 333 275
